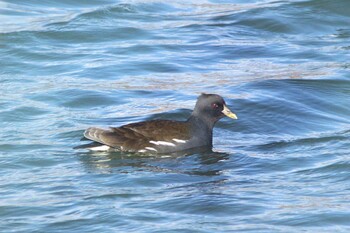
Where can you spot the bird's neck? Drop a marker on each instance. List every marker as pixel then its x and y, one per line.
pixel 202 128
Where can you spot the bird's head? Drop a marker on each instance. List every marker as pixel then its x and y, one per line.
pixel 213 107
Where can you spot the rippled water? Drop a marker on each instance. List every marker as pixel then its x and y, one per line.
pixel 282 66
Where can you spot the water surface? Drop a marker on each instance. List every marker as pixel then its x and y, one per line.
pixel 282 66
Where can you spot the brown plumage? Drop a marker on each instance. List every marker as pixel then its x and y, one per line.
pixel 136 136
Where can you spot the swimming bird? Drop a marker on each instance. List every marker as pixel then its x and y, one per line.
pixel 164 136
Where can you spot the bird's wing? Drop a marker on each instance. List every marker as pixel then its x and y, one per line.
pixel 165 130
pixel 137 136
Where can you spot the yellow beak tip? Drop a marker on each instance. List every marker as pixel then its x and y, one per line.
pixel 233 116
pixel 226 111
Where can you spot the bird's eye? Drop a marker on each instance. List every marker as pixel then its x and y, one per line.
pixel 214 105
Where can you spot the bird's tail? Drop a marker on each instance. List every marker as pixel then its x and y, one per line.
pixel 94 134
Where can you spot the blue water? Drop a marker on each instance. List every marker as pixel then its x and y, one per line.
pixel 282 67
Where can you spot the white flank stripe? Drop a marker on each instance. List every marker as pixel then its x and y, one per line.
pixel 150 148
pixel 179 140
pixel 163 143
pixel 100 148
pixel 141 151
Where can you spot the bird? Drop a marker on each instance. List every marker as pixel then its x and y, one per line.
pixel 164 136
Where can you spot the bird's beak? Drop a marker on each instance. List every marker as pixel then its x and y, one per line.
pixel 228 113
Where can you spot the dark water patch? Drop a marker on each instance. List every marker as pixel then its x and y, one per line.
pixel 321 219
pixel 89 36
pixel 108 13
pixel 316 143
pixel 265 24
pixel 330 169
pixel 74 98
pixel 203 205
pixel 22 147
pixel 134 49
pixel 296 104
pixel 342 34
pixel 65 3
pixel 326 7
pixel 22 114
